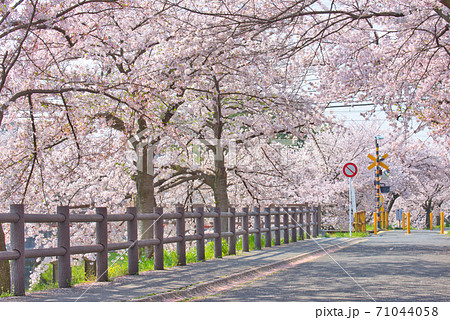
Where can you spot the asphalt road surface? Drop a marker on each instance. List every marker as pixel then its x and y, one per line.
pixel 392 266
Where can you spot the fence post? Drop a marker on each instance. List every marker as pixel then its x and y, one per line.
pixel 232 228
pixel 55 271
pixel 89 269
pixel 364 221
pixel 308 223
pixel 200 230
pixel 301 223
pixel 132 235
pixel 218 229
pixel 315 233
pixel 294 222
pixel 286 224
pixel 258 228
pixel 102 239
pixel 181 232
pixel 267 225
pixel 18 244
pixel 277 226
pixel 319 219
pixel 64 270
pixel 159 234
pixel 245 237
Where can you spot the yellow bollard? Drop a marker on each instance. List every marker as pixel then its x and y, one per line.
pixel 375 228
pixel 403 221
pixel 431 220
pixel 408 227
pixel 442 222
pixel 386 216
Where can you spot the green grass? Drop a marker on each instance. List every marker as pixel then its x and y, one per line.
pixel 6 294
pixel 438 227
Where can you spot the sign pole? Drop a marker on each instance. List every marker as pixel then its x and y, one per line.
pixel 350 170
pixel 350 206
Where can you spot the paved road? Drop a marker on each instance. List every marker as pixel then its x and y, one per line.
pixel 392 266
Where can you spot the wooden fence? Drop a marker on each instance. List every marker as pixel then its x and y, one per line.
pixel 291 222
pixel 359 221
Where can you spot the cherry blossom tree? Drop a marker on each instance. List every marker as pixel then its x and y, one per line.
pixel 394 54
pixel 35 37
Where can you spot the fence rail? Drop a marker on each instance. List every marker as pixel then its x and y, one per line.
pixel 292 221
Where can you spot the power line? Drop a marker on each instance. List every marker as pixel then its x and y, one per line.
pixel 351 105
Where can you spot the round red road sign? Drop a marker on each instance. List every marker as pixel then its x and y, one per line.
pixel 350 170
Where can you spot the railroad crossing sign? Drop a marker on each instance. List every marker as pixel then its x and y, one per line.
pixel 380 163
pixel 350 170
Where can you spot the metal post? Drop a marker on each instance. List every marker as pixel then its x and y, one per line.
pixel 431 220
pixel 64 270
pixel 181 232
pixel 277 226
pixel 408 221
pixel 232 228
pixel 267 225
pixel 386 215
pixel 132 235
pixel 18 245
pixel 286 225
pixel 159 234
pixel 403 214
pixel 245 240
pixel 258 228
pixel 442 222
pixel 375 224
pixel 200 230
pixel 218 229
pixel 350 215
pixel 102 239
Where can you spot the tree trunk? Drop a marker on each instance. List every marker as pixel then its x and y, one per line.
pixel 145 200
pixel 5 280
pixel 221 190
pixel 391 202
pixel 428 206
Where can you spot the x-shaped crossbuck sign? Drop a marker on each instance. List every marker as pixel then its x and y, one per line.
pixel 381 164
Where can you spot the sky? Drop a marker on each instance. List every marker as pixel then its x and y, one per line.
pixel 353 114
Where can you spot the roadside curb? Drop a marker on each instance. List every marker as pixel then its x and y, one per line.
pixel 237 279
